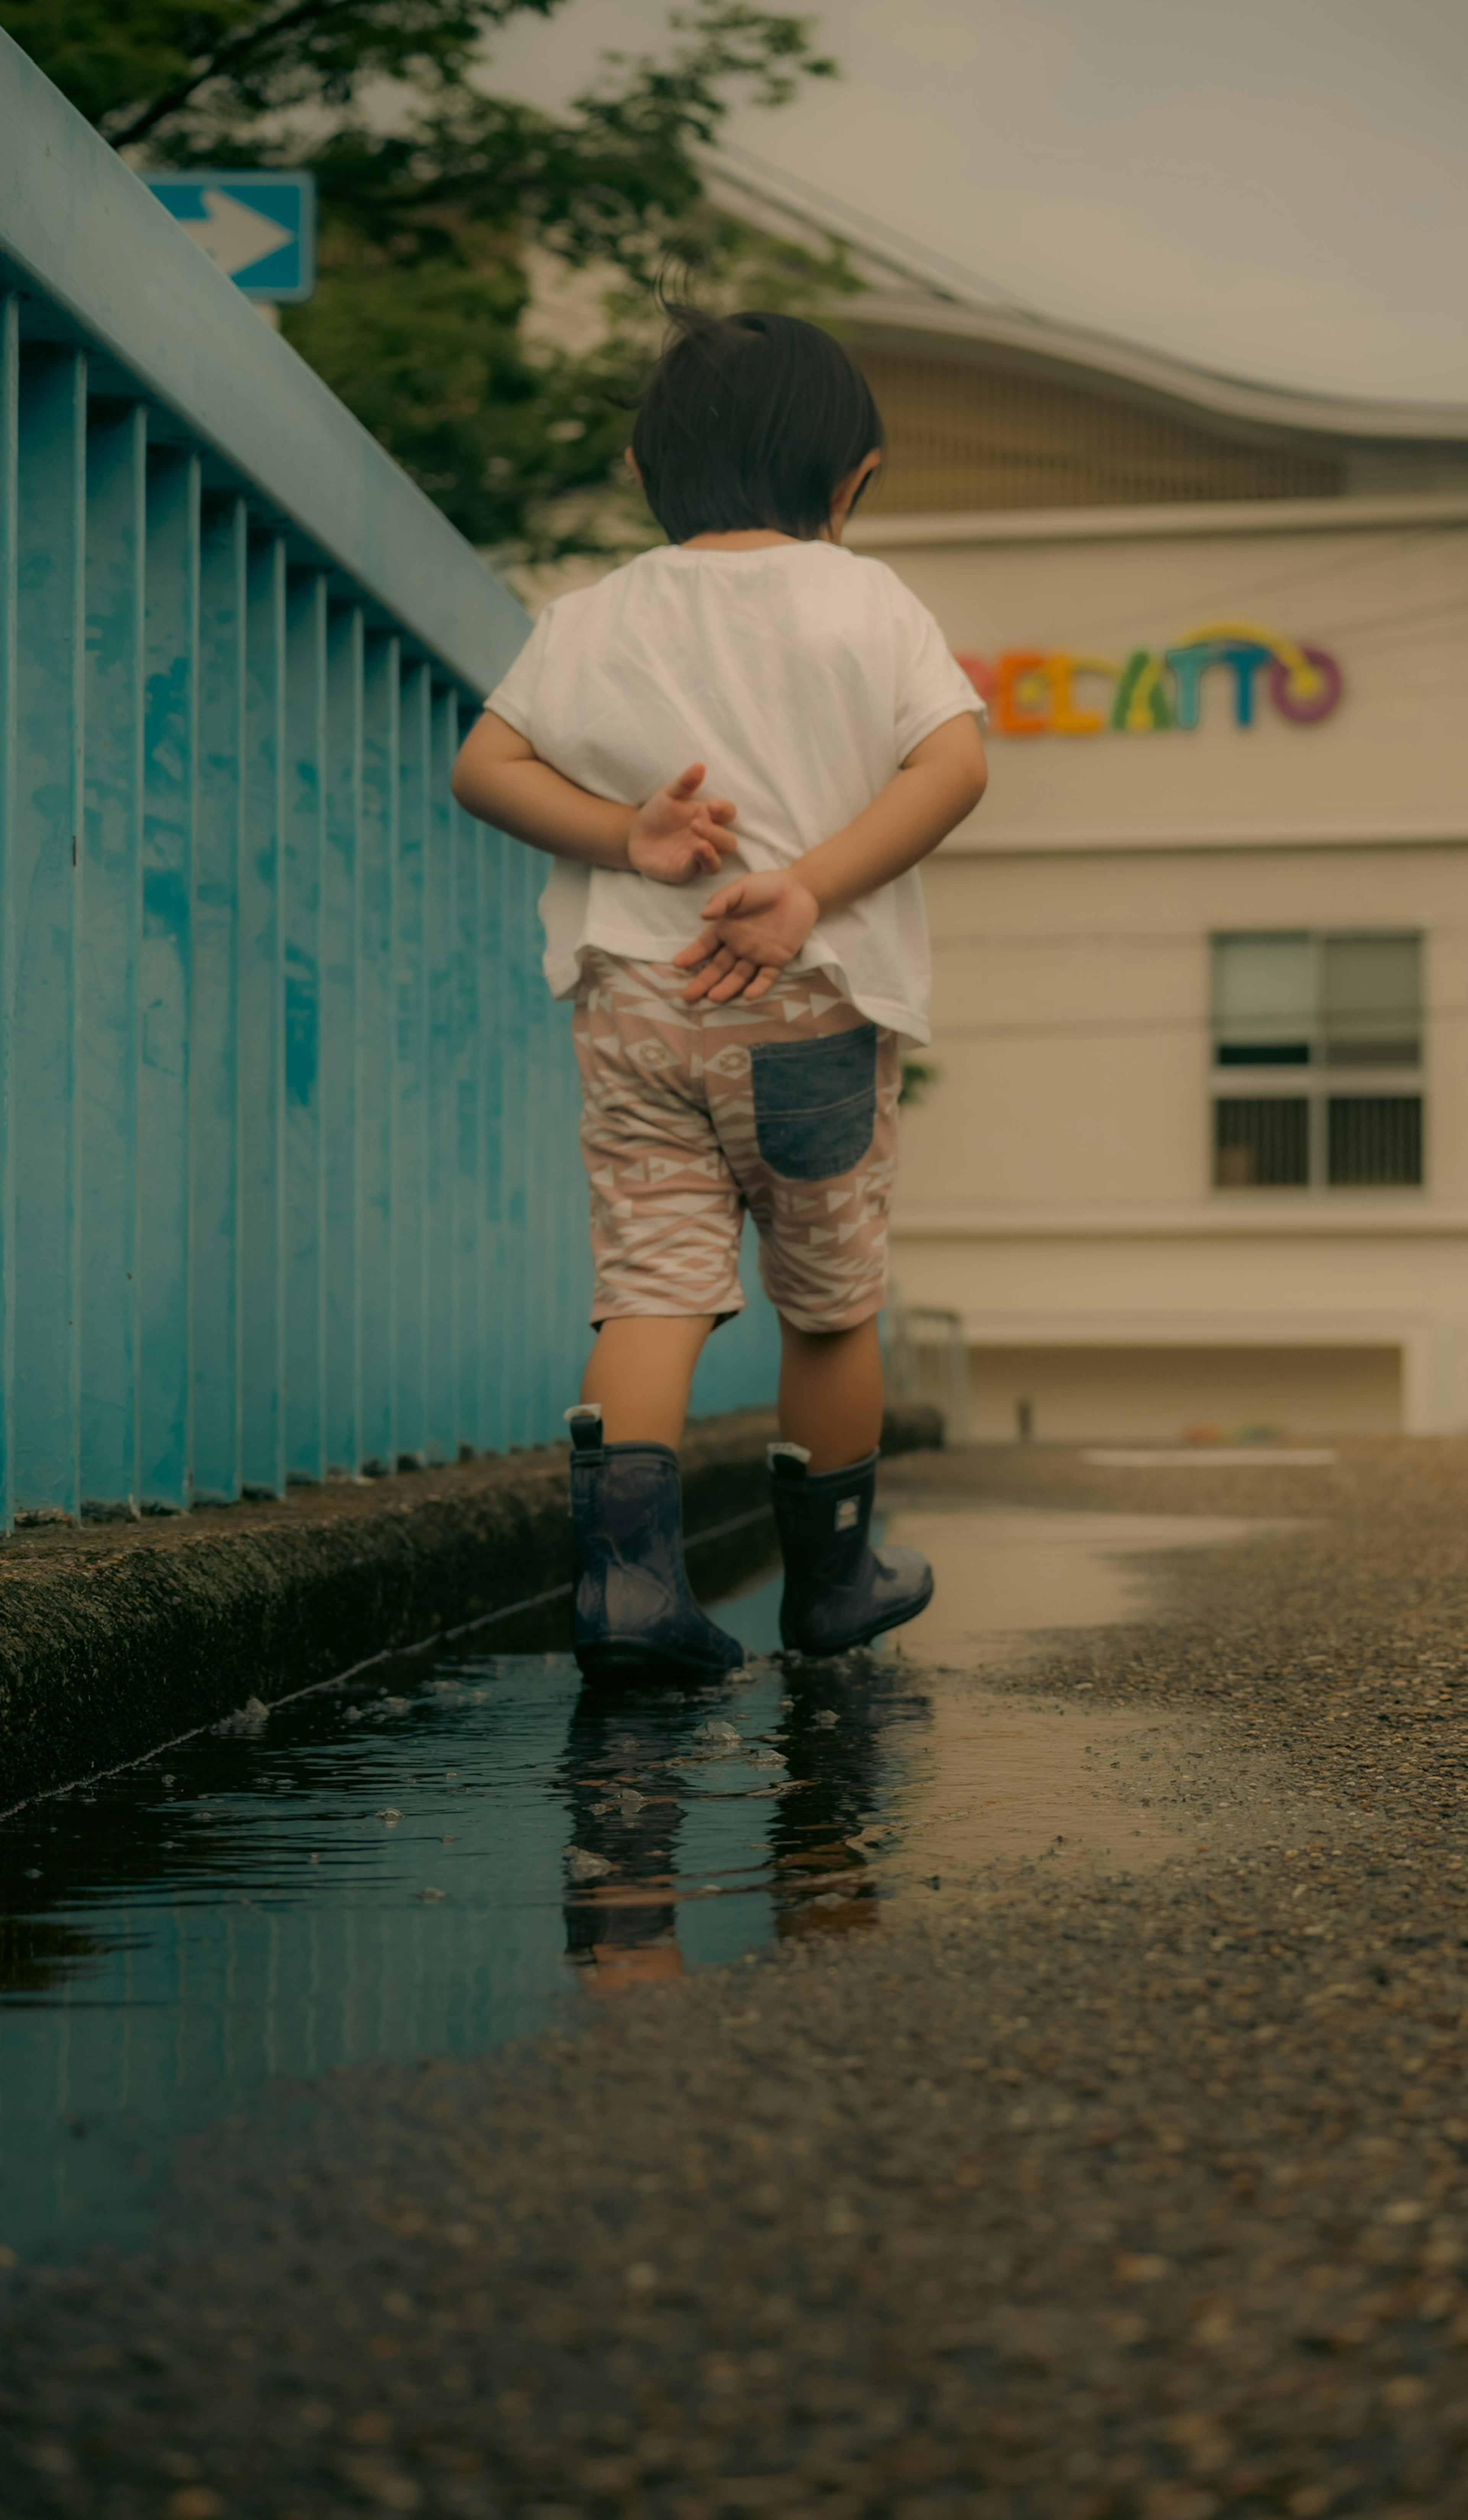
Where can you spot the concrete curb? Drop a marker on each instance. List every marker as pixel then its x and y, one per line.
pixel 122 1635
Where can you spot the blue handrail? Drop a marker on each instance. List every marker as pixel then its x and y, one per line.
pixel 289 1182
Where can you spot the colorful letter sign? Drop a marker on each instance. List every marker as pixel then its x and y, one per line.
pixel 1034 691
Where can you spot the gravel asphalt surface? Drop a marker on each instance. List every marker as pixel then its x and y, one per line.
pixel 1063 2195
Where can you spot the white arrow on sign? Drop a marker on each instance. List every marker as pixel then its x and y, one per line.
pixel 233 235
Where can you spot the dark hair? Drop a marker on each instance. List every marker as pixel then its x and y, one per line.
pixel 750 420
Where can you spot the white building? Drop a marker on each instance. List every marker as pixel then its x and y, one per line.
pixel 1195 1152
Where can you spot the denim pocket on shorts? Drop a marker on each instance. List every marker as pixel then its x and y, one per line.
pixel 815 1102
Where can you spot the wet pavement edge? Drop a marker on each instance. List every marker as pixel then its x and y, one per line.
pixel 1120 2199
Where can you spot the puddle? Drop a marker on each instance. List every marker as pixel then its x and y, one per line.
pixel 1005 1778
pixel 1215 1456
pixel 1002 1574
pixel 433 1860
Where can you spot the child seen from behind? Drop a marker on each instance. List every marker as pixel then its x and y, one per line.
pixel 738 748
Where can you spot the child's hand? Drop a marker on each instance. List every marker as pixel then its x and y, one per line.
pixel 680 834
pixel 755 927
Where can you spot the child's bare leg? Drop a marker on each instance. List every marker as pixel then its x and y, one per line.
pixel 830 1393
pixel 639 1371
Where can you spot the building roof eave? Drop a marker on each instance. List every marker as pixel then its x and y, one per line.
pixel 901 319
pixel 1161 520
pixel 907 296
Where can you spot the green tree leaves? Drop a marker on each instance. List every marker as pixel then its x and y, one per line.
pixel 443 218
pixel 146 66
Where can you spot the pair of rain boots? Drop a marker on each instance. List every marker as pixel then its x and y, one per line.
pixel 635 1613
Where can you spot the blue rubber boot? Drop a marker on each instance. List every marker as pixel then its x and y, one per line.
pixel 634 1616
pixel 839 1590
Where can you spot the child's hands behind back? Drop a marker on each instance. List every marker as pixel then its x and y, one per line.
pixel 678 833
pixel 755 927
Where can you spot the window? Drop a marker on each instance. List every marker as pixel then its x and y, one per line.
pixel 1329 1029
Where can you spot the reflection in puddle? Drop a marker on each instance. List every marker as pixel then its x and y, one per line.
pixel 992 1777
pixel 430 1860
pixel 1006 1779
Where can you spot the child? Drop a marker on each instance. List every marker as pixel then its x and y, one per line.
pixel 743 965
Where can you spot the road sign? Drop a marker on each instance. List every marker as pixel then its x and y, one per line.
pixel 259 229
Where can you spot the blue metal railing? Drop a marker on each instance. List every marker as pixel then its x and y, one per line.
pixel 288 1180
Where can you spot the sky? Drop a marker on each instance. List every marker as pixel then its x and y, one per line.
pixel 1277 188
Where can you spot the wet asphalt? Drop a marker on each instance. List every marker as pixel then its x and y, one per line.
pixel 1076 2186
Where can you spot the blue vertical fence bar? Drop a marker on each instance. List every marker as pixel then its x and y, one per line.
pixel 549 1371
pixel 377 987
pixel 511 1035
pixel 305 1154
pixel 442 1442
pixel 262 1029
pixel 289 1176
pixel 491 1073
pixel 521 1292
pixel 219 838
pixel 529 1123
pixel 9 383
pixel 572 1335
pixel 340 956
pixel 111 939
pixel 468 1196
pixel 45 904
pixel 410 1225
pixel 170 770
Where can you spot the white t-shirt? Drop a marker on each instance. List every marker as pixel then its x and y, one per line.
pixel 803 675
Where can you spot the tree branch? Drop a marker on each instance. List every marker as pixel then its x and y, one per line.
pixel 225 57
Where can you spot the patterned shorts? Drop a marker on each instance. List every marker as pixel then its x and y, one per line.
pixel 690 1115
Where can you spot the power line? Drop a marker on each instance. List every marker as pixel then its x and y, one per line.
pixel 1198 1026
pixel 1153 939
pixel 1403 618
pixel 1243 596
pixel 912 260
pixel 1394 630
pixel 920 262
